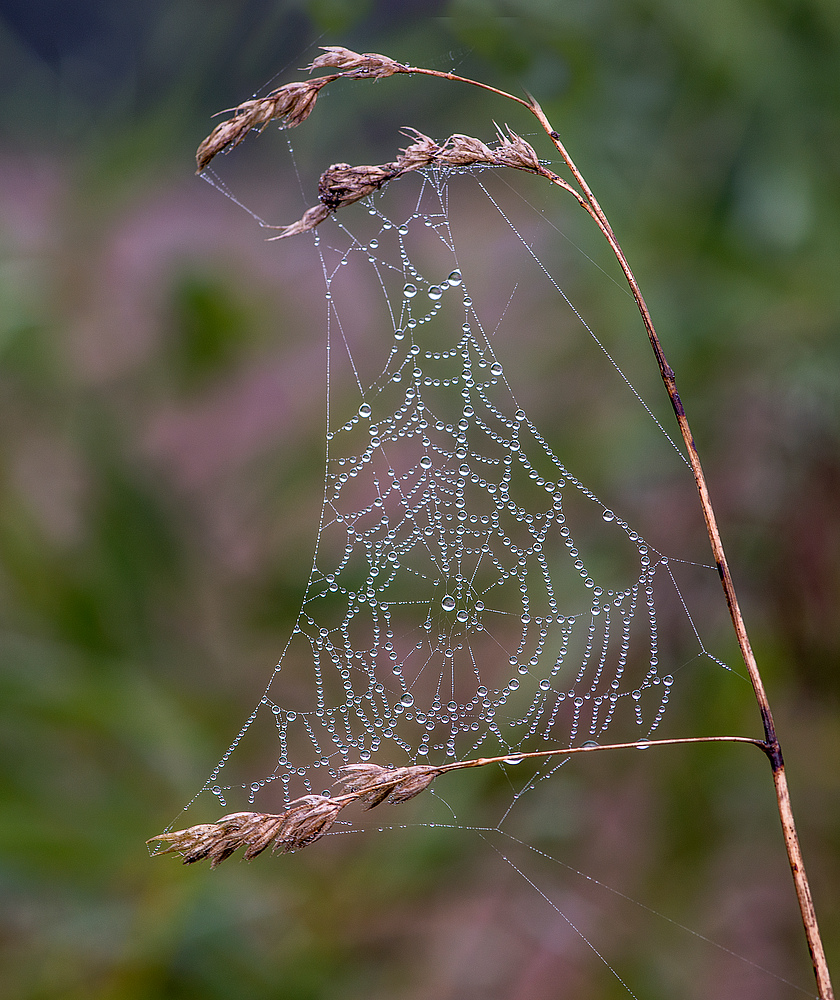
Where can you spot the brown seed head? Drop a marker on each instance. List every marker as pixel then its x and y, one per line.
pixel 342 184
pixel 355 64
pixel 306 820
pixel 291 104
pixel 421 153
pixel 513 151
pixel 375 784
pixel 463 150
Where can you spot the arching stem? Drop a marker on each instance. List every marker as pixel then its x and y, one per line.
pixel 771 744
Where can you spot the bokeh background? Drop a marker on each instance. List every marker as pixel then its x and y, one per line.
pixel 160 470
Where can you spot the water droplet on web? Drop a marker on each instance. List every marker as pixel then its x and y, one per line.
pixel 496 368
pixel 608 515
pixel 365 410
pixel 425 462
pixel 407 700
pixel 590 743
pixel 448 603
pixel 454 278
pixel 544 685
pixel 364 755
pixel 434 292
pixel 373 244
pixel 409 290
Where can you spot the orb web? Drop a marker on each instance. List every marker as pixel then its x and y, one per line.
pixel 458 602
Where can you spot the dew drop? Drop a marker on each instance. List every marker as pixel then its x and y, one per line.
pixel 454 278
pixel 407 700
pixel 590 743
pixel 365 410
pixel 608 515
pixel 434 292
pixel 496 368
pixel 409 290
pixel 448 603
pixel 425 462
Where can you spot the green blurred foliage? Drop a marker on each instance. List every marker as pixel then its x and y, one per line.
pixel 160 469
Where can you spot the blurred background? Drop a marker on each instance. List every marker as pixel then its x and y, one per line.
pixel 161 470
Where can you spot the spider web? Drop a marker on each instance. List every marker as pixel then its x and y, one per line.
pixel 469 595
pixel 459 602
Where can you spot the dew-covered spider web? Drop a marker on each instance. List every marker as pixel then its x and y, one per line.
pixel 459 603
pixel 455 607
pixel 470 594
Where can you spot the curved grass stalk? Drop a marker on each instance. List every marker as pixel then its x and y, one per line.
pixel 342 185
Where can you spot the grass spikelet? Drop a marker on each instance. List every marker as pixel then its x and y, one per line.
pixel 373 784
pixel 291 104
pixel 356 65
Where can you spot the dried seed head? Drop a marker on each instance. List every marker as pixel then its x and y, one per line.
pixel 292 104
pixel 354 64
pixel 374 784
pixel 306 820
pixel 342 184
pixel 215 841
pixel 463 150
pixel 514 151
pixel 421 153
pixel 312 217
